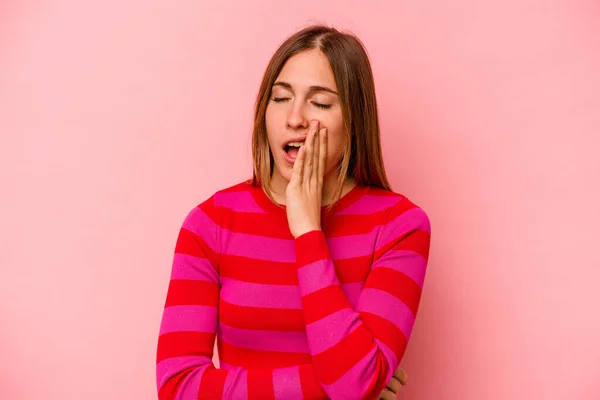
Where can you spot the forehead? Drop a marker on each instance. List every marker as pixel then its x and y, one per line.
pixel 308 68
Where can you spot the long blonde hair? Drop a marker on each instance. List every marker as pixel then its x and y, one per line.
pixel 362 157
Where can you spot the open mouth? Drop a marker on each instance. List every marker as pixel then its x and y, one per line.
pixel 292 149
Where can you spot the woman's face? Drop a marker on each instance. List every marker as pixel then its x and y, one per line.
pixel 304 91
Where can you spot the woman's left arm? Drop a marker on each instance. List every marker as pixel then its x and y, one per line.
pixel 355 352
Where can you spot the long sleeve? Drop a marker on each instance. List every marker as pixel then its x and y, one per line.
pixel 356 351
pixel 184 367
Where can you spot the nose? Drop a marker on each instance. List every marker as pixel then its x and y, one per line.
pixel 297 118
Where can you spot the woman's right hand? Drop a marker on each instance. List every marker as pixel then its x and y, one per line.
pixel 392 389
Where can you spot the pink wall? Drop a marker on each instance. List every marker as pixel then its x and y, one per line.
pixel 117 117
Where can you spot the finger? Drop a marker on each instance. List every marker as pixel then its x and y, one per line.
pixel 401 375
pixel 308 160
pixel 388 395
pixel 322 157
pixel 315 170
pixel 394 385
pixel 297 170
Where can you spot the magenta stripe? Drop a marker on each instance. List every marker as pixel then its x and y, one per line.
pixel 257 247
pixel 241 201
pixel 200 224
pixel 224 365
pixel 385 305
pixel 368 204
pixel 236 384
pixel 281 341
pixel 390 358
pixel 329 331
pixel 315 276
pixel 354 383
pixel 169 367
pixel 189 319
pixel 193 268
pixel 352 292
pixel 286 384
pixel 408 262
pixel 341 247
pixel 260 294
pixel 408 221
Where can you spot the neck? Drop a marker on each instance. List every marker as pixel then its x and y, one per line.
pixel 279 185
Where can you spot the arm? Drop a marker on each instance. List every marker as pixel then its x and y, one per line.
pixel 189 323
pixel 356 352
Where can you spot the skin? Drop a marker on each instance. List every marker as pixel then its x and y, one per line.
pixel 291 111
pixel 295 111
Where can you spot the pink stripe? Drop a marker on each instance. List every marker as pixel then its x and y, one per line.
pixel 282 341
pixel 191 385
pixel 315 276
pixel 241 201
pixel 283 250
pixel 199 223
pixel 354 383
pixel 408 262
pixel 224 365
pixel 257 247
pixel 170 367
pixel 368 204
pixel 189 319
pixel 329 331
pixel 260 294
pixel 352 292
pixel 390 358
pixel 385 305
pixel 236 384
pixel 193 268
pixel 286 384
pixel 408 221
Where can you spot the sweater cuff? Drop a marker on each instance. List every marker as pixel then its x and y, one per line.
pixel 310 247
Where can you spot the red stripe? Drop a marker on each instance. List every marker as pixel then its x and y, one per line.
pixel 323 302
pixel 311 247
pixel 260 385
pixel 274 319
pixel 385 331
pixel 397 284
pixel 191 244
pixel 258 271
pixel 192 293
pixel 259 359
pixel 334 362
pixel 351 270
pixel 178 344
pixel 345 225
pixel 311 388
pixel 212 384
pixel 268 225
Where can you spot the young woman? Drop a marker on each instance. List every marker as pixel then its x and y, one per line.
pixel 310 274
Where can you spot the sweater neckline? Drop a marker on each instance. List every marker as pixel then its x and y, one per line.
pixel 346 200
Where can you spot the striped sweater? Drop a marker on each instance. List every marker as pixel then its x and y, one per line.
pixel 325 315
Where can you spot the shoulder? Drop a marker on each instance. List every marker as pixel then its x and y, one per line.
pixel 400 209
pixel 212 206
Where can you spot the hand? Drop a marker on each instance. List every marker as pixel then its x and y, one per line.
pixel 305 190
pixel 393 387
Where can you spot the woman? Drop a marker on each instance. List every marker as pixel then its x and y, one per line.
pixel 310 274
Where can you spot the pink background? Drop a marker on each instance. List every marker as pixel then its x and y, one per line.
pixel 117 117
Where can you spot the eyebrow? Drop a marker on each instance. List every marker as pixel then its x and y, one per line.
pixel 310 89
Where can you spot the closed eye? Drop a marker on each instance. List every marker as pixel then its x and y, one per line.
pixel 282 99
